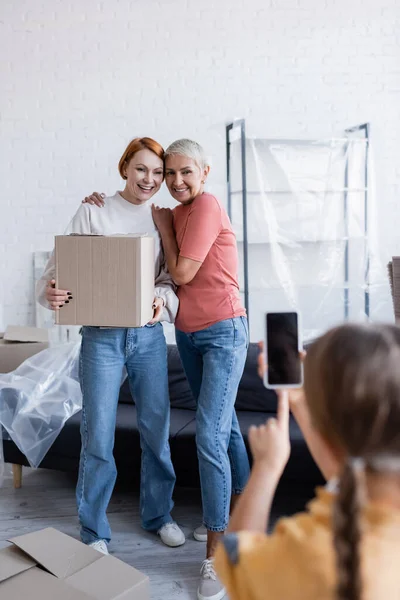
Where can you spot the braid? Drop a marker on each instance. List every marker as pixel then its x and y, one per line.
pixel 347 533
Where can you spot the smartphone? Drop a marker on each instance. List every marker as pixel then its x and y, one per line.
pixel 282 350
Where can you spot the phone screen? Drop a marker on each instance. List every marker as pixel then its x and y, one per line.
pixel 282 349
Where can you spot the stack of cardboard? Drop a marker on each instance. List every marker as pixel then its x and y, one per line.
pixel 19 343
pixel 49 565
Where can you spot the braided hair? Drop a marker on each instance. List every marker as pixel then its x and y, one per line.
pixel 347 531
pixel 352 388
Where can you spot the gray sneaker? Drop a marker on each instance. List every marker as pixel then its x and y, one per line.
pixel 210 587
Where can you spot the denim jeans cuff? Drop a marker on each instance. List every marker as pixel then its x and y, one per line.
pixel 156 525
pixel 216 529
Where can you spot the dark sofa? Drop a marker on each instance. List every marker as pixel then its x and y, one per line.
pixel 253 405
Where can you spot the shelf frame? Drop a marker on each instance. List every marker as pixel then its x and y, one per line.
pixel 360 133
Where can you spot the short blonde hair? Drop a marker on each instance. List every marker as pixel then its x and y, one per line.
pixel 189 148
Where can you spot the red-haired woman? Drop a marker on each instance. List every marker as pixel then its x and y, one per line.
pixel 106 351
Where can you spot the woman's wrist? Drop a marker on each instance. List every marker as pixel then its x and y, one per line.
pixel 265 471
pixel 167 233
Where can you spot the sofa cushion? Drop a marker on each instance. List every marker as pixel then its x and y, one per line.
pixel 127 440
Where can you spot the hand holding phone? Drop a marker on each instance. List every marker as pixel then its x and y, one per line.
pixel 283 351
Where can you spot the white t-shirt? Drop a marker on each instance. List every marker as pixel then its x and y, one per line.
pixel 119 216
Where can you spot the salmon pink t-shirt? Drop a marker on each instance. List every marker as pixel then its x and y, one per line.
pixel 204 233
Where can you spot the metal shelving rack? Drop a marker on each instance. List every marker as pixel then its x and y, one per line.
pixel 363 131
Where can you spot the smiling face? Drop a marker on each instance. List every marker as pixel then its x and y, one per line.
pixel 144 176
pixel 184 178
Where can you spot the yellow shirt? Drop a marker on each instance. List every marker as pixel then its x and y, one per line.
pixel 297 561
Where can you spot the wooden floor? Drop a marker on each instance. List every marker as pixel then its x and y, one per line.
pixel 46 499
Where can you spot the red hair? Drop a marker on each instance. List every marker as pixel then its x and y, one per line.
pixel 136 145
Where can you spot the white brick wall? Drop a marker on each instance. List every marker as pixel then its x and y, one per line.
pixel 78 80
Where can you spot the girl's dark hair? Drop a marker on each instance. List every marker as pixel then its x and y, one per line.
pixel 352 388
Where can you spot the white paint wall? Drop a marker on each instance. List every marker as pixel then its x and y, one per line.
pixel 79 79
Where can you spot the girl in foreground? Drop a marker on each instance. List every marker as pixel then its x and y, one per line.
pixel 346 545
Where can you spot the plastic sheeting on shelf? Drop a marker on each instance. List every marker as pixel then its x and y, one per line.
pixel 311 231
pixel 38 397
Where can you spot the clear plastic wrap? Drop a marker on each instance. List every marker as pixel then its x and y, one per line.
pixel 38 397
pixel 305 221
pixel 1 458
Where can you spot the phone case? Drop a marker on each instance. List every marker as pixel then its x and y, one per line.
pixel 287 386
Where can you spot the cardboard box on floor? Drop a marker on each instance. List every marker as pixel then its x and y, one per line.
pixel 19 343
pixel 111 279
pixel 49 565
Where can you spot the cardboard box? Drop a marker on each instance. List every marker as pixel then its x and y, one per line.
pixel 19 343
pixel 49 565
pixel 111 279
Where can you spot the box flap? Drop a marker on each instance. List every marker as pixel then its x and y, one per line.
pixel 58 553
pixel 15 333
pixel 110 578
pixel 14 561
pixel 36 584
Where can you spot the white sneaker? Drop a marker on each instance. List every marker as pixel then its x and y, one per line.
pixel 100 546
pixel 210 587
pixel 200 534
pixel 171 535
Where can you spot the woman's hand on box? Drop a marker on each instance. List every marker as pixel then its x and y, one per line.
pixel 158 305
pixel 56 298
pixel 95 198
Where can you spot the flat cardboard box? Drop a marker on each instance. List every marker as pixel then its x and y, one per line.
pixel 19 343
pixel 16 333
pixel 49 565
pixel 111 279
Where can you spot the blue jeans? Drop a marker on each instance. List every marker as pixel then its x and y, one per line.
pixel 214 359
pixel 104 353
